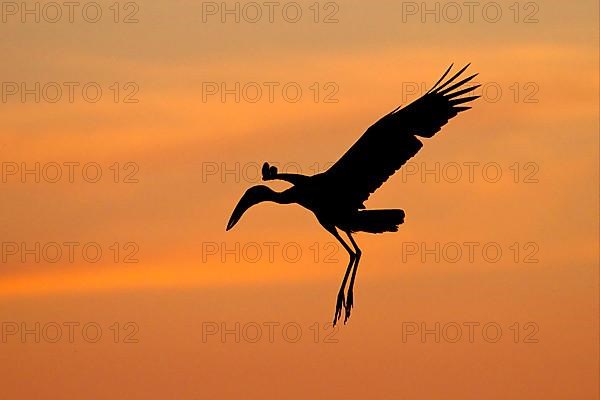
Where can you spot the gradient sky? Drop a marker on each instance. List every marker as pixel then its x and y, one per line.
pixel 544 123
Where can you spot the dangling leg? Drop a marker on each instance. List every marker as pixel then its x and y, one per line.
pixel 340 297
pixel 350 297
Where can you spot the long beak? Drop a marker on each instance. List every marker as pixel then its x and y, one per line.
pixel 239 210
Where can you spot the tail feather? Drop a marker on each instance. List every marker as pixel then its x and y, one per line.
pixel 377 221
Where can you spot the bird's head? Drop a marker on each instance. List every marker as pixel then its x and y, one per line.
pixel 254 195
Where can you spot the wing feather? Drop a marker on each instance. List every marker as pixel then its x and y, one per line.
pixel 390 142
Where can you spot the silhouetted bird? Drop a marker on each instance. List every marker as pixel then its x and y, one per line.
pixel 337 196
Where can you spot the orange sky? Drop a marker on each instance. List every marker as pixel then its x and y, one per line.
pixel 192 159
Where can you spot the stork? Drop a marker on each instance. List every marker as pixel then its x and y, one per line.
pixel 337 196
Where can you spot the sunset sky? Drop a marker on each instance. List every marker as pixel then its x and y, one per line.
pixel 179 133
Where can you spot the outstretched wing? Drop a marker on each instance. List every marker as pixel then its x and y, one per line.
pixel 392 141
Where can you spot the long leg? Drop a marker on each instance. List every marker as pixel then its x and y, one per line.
pixel 340 297
pixel 350 297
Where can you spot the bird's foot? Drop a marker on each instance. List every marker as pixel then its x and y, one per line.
pixel 340 303
pixel 269 172
pixel 349 304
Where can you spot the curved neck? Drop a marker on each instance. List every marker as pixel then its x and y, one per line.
pixel 285 197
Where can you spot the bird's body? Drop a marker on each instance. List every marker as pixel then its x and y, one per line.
pixel 337 196
pixel 329 212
